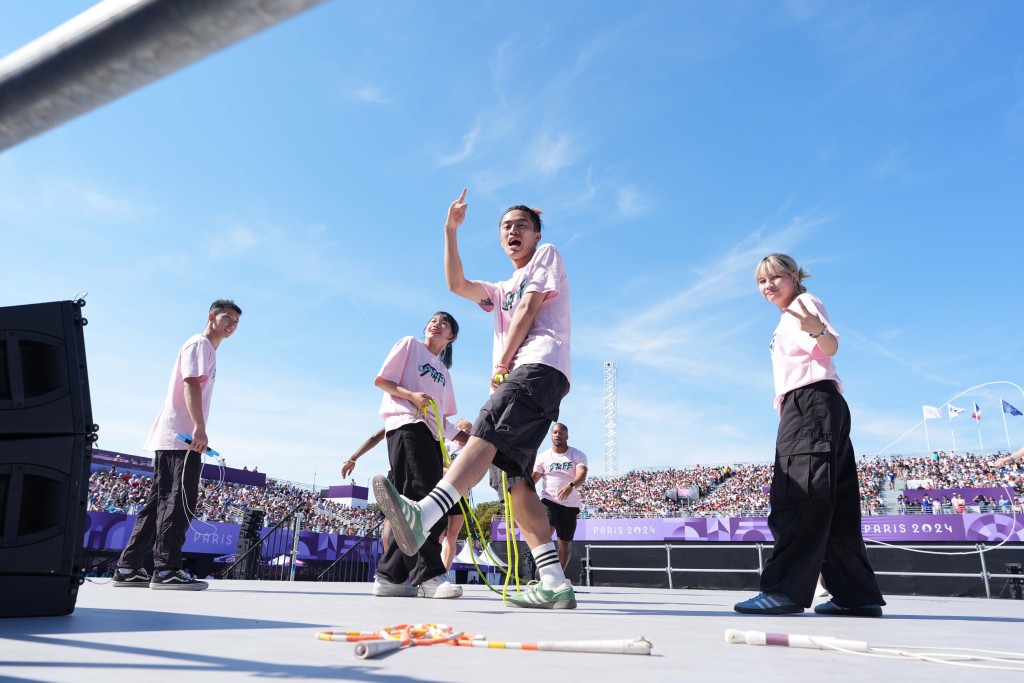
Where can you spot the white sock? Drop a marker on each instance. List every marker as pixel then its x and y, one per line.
pixel 439 501
pixel 550 570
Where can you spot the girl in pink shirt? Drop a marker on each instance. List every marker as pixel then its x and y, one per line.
pixel 815 499
pixel 414 374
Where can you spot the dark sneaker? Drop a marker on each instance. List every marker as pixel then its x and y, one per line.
pixel 539 597
pixel 136 577
pixel 176 581
pixel 768 603
pixel 404 515
pixel 383 588
pixel 832 609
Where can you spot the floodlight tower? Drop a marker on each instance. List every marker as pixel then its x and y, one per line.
pixel 611 441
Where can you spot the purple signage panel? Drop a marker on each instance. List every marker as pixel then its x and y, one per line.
pixel 235 476
pixel 348 491
pixel 966 528
pixel 110 531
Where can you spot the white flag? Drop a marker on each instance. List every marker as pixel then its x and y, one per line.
pixel 954 411
pixel 931 412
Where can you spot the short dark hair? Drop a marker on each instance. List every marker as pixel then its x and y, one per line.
pixel 220 305
pixel 533 213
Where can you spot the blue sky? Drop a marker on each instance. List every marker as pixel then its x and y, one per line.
pixel 306 173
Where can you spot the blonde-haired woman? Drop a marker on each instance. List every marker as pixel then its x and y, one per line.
pixel 815 500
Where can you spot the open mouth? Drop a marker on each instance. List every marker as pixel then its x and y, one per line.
pixel 515 242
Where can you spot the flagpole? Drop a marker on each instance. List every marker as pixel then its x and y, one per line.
pixel 1005 429
pixel 928 444
pixel 977 416
pixel 949 415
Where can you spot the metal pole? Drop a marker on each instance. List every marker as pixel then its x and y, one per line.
pixel 295 545
pixel 588 565
pixel 984 569
pixel 668 555
pixel 116 47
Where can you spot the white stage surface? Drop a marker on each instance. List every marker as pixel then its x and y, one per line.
pixel 253 630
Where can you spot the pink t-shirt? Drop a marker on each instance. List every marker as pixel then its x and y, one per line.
pixel 796 359
pixel 558 470
pixel 412 366
pixel 197 358
pixel 547 342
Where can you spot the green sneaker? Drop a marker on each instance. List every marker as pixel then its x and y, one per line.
pixel 539 597
pixel 404 515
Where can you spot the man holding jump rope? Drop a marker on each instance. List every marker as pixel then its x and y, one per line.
pixel 164 518
pixel 531 376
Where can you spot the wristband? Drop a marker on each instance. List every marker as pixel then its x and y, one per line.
pixel 820 334
pixel 572 484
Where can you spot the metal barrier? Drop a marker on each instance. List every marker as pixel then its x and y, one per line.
pixel 358 562
pixel 1013 583
pixel 273 557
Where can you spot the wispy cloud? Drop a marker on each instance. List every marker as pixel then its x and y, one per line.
pixel 550 153
pixel 469 141
pixel 693 318
pixel 370 94
pixel 631 201
pixel 893 162
pixel 69 198
pixel 1015 123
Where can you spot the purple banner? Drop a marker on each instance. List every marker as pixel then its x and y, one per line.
pixel 965 528
pixel 234 476
pixel 110 531
pixel 349 491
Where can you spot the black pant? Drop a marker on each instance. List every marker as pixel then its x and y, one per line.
pixel 163 520
pixel 416 469
pixel 815 504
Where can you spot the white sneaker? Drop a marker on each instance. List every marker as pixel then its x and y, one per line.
pixel 439 588
pixel 383 588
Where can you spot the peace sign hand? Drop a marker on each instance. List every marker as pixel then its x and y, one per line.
pixel 456 212
pixel 811 323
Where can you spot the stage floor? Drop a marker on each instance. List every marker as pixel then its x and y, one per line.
pixel 252 630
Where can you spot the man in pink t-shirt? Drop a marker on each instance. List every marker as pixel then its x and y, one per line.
pixel 161 524
pixel 560 471
pixel 530 378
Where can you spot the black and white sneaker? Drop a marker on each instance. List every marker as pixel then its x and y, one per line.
pixel 136 577
pixel 176 580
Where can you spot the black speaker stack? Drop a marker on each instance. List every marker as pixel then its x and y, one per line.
pixel 246 563
pixel 46 439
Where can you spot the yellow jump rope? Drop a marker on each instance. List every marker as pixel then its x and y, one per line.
pixel 511 547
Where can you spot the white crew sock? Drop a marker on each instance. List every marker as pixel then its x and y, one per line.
pixel 550 570
pixel 439 501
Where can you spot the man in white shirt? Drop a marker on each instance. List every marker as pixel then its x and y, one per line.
pixel 561 470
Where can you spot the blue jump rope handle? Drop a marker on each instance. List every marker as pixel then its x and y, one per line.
pixel 187 438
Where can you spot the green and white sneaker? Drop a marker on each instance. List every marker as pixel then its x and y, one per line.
pixel 404 515
pixel 539 597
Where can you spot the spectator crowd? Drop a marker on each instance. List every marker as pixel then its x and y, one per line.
pixel 115 491
pixel 717 491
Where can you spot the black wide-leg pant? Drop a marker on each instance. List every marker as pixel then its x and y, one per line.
pixel 161 524
pixel 815 504
pixel 416 468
